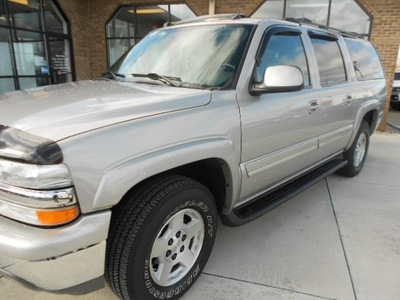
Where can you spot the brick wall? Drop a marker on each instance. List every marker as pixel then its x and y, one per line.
pixel 386 37
pixel 77 12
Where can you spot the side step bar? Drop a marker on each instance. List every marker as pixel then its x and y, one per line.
pixel 275 197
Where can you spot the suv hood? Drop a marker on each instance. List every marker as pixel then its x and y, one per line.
pixel 59 111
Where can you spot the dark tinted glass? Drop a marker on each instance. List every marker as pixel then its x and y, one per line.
pixel 24 15
pixel 329 60
pixel 3 18
pixel 283 49
pixel 365 59
pixel 54 21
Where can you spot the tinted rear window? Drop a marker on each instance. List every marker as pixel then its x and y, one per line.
pixel 329 60
pixel 367 64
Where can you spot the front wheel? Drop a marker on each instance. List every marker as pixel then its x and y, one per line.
pixel 161 236
pixel 357 154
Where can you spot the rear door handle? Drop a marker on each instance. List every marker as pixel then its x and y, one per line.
pixel 313 106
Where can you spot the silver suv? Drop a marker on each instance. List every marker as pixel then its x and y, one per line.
pixel 123 178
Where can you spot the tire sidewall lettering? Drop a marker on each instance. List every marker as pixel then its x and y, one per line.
pixel 157 294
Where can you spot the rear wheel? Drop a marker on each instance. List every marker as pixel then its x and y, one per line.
pixel 160 239
pixel 357 154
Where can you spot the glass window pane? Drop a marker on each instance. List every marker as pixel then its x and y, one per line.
pixel 27 83
pixel 150 18
pixel 29 53
pixel 348 15
pixel 284 50
pixel 270 9
pixel 180 12
pixel 316 11
pixel 5 61
pixel 3 17
pixel 329 60
pixel 54 20
pixel 6 85
pixel 60 64
pixel 365 59
pixel 25 13
pixel 117 47
pixel 123 24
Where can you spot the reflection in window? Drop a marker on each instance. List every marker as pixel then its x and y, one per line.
pixel 365 59
pixel 132 23
pixel 283 49
pixel 331 71
pixel 55 22
pixel 29 52
pixel 3 18
pixel 5 61
pixel 345 15
pixel 217 50
pixel 25 16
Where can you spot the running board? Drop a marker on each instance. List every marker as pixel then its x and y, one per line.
pixel 272 199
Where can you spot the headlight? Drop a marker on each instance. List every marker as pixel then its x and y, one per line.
pixel 37 195
pixel 35 186
pixel 34 176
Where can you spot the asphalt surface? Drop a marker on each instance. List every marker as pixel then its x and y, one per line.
pixel 340 239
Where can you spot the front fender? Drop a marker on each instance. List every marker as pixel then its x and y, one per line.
pixel 121 178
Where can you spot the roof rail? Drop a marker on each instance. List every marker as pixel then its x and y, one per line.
pixel 306 21
pixel 208 18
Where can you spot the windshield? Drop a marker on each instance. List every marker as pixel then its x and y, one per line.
pixel 202 56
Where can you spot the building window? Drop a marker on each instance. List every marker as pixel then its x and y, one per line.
pixel 131 23
pixel 36 43
pixel 347 15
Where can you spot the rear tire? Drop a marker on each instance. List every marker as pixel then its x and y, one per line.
pixel 357 154
pixel 161 236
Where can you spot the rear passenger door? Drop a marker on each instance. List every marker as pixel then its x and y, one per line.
pixel 336 98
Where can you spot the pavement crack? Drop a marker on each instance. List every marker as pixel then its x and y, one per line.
pixel 267 285
pixel 341 239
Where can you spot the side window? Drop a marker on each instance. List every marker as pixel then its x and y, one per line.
pixel 283 48
pixel 366 62
pixel 329 59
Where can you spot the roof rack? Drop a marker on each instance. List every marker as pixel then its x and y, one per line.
pixel 306 21
pixel 209 18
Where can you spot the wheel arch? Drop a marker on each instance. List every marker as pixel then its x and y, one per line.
pixel 216 172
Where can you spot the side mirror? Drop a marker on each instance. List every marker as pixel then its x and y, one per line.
pixel 279 79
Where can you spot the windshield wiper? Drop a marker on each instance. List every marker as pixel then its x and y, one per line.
pixel 114 76
pixel 164 79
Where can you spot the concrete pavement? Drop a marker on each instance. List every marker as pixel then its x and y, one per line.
pixel 393 119
pixel 339 239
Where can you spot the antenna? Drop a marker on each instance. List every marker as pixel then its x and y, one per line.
pixel 238 14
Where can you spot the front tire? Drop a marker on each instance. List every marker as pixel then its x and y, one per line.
pixel 357 154
pixel 161 236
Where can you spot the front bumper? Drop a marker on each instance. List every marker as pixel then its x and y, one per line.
pixel 395 97
pixel 68 259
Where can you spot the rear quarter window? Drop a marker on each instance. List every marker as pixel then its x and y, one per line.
pixel 366 62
